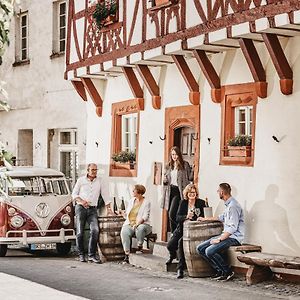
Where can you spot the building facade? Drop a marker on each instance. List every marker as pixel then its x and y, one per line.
pixel 46 123
pixel 196 74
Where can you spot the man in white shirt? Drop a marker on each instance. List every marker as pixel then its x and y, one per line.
pixel 86 194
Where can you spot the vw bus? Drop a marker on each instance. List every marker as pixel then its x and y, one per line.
pixel 36 210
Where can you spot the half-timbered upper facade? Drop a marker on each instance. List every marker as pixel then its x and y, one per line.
pixel 196 74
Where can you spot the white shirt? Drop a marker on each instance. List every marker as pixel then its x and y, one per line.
pixel 174 174
pixel 143 213
pixel 90 190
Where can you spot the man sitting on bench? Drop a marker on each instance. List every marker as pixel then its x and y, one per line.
pixel 232 235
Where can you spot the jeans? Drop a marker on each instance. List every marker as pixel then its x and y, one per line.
pixel 174 203
pixel 90 216
pixel 127 232
pixel 174 244
pixel 213 253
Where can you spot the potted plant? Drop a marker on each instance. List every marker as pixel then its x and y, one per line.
pixel 240 146
pixel 105 13
pixel 124 159
pixel 5 155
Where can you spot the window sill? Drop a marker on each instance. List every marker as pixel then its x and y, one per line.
pixel 21 63
pixel 57 54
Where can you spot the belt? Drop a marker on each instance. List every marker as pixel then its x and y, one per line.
pixel 92 206
pixel 174 186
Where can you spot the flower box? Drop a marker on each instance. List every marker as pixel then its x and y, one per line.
pixel 163 2
pixel 239 151
pixel 124 165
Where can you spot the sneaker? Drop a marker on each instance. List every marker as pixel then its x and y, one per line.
pixel 82 258
pixel 139 249
pixel 216 275
pixel 126 259
pixel 179 274
pixel 94 259
pixel 226 277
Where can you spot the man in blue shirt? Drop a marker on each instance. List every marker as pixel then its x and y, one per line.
pixel 233 234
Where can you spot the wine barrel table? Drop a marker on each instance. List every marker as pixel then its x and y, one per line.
pixel 109 237
pixel 194 233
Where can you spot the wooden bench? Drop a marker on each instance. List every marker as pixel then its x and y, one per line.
pixel 260 263
pixel 151 237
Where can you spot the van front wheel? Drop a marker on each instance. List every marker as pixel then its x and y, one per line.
pixel 63 248
pixel 3 250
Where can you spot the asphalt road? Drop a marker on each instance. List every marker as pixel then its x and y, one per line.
pixel 116 281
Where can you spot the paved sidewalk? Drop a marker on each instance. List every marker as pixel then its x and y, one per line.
pixel 15 288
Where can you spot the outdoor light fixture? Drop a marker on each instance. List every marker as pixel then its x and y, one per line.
pixel 275 138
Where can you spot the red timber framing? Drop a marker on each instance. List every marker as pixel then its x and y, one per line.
pixel 118 40
pixel 133 82
pixel 151 85
pixel 280 62
pixel 256 68
pixel 189 78
pixel 94 94
pixel 210 74
pixel 79 87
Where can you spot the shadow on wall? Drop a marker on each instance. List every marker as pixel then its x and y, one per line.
pixel 267 224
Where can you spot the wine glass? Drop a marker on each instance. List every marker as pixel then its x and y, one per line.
pixel 197 212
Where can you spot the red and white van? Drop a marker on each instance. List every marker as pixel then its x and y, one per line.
pixel 36 210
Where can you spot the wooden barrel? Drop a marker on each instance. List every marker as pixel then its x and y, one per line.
pixel 109 237
pixel 194 233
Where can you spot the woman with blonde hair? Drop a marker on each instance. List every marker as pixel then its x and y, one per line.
pixel 137 215
pixel 189 209
pixel 178 174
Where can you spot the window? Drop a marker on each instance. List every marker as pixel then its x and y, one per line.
pixel 243 120
pixel 125 132
pixel 238 118
pixel 129 132
pixel 22 37
pixel 59 26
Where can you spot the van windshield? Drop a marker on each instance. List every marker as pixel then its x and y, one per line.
pixel 37 186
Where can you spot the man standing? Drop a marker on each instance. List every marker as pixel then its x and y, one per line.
pixel 86 193
pixel 233 234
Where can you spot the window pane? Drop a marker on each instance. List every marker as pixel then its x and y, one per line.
pixel 66 164
pixel 127 140
pixel 23 32
pixel 242 128
pixel 62 9
pixel 62 46
pixel 24 20
pixel 242 115
pixel 65 138
pixel 24 44
pixel 62 21
pixel 24 54
pixel 62 33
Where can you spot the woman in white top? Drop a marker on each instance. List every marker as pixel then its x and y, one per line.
pixel 136 223
pixel 177 176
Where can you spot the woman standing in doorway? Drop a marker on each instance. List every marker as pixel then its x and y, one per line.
pixel 177 176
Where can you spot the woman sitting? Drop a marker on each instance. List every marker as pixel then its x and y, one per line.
pixel 136 223
pixel 189 209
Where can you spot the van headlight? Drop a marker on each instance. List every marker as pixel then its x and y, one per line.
pixel 17 221
pixel 65 220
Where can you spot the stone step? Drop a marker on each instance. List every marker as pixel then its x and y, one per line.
pixel 151 262
pixel 160 249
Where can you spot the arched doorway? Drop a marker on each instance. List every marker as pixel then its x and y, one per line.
pixel 182 129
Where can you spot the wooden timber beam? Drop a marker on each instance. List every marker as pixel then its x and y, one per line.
pixel 189 78
pixel 79 87
pixel 133 82
pixel 255 65
pixel 151 85
pixel 210 74
pixel 280 62
pixel 91 89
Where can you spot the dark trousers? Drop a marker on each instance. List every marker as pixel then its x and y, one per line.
pixel 214 253
pixel 90 216
pixel 174 244
pixel 173 207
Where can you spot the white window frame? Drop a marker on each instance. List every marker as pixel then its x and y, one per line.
pixel 20 37
pixel 56 36
pixel 132 132
pixel 248 121
pixel 73 133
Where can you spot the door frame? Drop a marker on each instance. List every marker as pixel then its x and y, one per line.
pixel 176 117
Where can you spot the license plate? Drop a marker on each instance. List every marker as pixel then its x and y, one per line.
pixel 43 246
